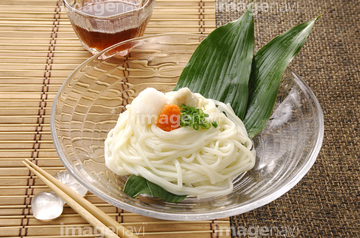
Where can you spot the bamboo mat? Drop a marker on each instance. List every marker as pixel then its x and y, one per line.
pixel 38 50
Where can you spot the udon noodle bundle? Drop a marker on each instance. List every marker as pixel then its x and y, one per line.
pixel 184 161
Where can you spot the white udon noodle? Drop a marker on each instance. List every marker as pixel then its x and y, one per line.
pixel 185 161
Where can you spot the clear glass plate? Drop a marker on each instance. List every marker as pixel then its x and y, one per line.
pixel 89 103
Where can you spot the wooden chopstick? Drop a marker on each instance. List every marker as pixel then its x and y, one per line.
pixel 83 207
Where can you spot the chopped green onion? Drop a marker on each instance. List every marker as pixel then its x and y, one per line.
pixel 195 118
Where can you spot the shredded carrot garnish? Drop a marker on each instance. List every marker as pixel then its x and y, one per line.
pixel 169 118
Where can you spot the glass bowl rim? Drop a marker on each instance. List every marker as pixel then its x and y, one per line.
pixel 204 215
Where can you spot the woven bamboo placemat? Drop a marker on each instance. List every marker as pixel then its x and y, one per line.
pixel 38 50
pixel 326 201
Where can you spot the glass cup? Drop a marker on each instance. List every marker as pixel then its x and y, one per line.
pixel 103 23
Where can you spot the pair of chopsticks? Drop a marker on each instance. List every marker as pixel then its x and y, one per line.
pixel 97 218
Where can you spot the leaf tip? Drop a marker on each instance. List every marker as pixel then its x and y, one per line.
pixel 319 16
pixel 250 8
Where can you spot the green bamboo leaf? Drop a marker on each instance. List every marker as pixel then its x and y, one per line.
pixel 136 185
pixel 268 65
pixel 220 66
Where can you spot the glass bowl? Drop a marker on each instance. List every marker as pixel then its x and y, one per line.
pixel 89 103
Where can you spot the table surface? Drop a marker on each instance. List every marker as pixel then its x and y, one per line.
pixel 39 50
pixel 325 203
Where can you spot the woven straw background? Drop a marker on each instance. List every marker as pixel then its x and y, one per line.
pixel 326 201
